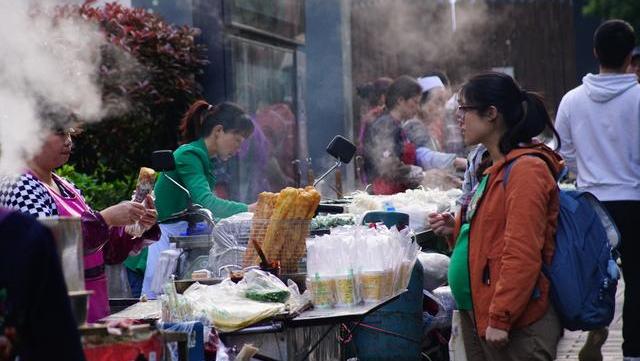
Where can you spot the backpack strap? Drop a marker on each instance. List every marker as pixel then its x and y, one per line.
pixel 545 268
pixel 507 170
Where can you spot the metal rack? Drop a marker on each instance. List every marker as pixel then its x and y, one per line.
pixel 194 255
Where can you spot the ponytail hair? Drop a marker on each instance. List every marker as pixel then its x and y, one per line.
pixel 201 117
pixel 524 113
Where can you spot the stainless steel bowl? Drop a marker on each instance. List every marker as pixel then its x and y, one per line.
pixel 79 305
pixel 67 232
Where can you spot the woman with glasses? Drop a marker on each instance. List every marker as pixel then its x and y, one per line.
pixel 506 231
pixel 40 192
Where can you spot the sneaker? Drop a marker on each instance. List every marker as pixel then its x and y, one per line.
pixel 591 349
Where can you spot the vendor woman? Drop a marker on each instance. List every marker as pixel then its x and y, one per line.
pixel 42 193
pixel 210 133
pixel 390 157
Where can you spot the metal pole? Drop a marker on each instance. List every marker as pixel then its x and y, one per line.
pixel 338 163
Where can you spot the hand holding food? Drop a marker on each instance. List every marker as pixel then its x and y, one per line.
pixel 142 194
pixel 124 213
pixel 151 215
pixel 441 223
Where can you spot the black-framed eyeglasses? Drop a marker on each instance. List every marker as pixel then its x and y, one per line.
pixel 463 108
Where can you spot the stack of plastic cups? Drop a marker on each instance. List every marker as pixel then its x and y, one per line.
pixel 346 289
pixel 319 280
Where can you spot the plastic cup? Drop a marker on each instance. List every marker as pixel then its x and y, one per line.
pixel 323 291
pixel 387 284
pixel 371 284
pixel 346 290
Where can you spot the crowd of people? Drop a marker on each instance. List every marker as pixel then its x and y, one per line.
pixel 512 226
pixel 502 234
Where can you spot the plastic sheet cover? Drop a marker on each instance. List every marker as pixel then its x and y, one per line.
pixel 227 307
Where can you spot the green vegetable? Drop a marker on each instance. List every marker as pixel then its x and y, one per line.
pixel 268 296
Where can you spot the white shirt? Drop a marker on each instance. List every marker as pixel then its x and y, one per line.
pixel 599 126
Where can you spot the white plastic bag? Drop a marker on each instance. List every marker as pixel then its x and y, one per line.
pixel 457 351
pixel 166 266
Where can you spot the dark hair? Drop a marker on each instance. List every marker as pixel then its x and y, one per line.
pixel 524 112
pixel 55 115
pixel 372 92
pixel 613 41
pixel 202 117
pixel 404 87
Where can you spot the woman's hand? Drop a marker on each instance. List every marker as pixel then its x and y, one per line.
pixel 150 216
pixel 460 164
pixel 441 223
pixel 123 213
pixel 496 337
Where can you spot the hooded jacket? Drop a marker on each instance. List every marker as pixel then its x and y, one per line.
pixel 511 234
pixel 599 126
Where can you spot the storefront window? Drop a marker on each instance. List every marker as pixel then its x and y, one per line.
pixel 283 18
pixel 263 77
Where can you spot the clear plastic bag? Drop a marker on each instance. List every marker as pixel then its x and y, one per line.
pixel 457 351
pixel 175 307
pixel 436 268
pixel 442 318
pixel 355 263
pixel 264 287
pixel 144 187
pixel 230 238
pixel 165 267
pixel 226 306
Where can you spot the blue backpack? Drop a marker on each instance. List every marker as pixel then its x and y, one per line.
pixel 583 273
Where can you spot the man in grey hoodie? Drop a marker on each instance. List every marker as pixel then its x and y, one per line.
pixel 599 126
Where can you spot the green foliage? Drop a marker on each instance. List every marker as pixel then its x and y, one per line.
pixel 99 192
pixel 148 76
pixel 628 10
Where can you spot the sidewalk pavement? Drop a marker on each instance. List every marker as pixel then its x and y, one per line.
pixel 572 341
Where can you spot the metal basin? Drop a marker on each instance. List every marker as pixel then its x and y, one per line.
pixel 67 232
pixel 79 305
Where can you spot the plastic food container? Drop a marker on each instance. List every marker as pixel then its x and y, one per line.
pixel 346 291
pixel 371 285
pixel 323 291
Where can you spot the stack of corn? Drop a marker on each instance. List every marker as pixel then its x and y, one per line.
pixel 280 225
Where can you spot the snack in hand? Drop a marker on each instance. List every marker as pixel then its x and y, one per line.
pixel 146 181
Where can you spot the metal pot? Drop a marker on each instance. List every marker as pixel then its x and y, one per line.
pixel 67 232
pixel 79 305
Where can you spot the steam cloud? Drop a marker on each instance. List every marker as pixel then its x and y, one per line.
pixel 43 58
pixel 414 37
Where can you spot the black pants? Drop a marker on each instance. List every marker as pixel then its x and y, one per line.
pixel 626 215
